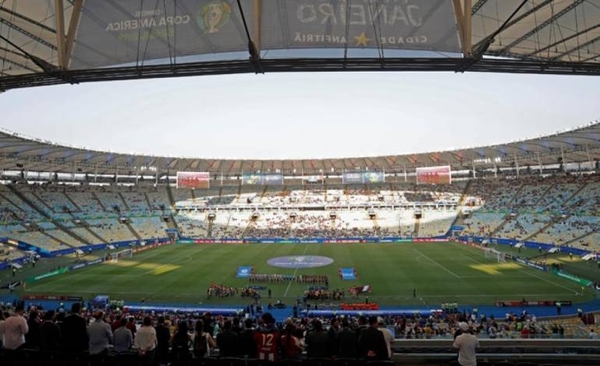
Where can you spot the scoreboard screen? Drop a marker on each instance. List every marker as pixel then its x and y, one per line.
pixel 194 180
pixel 434 175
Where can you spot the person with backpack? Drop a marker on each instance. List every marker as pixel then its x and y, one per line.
pixel 203 341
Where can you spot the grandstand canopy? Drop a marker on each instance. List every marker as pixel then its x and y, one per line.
pixel 45 42
pixel 578 145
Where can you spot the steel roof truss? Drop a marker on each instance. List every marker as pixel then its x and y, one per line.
pixel 543 25
pixel 27 33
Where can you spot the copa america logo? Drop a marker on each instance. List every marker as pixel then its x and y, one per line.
pixel 213 16
pixel 300 261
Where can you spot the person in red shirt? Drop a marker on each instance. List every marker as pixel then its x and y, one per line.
pixel 131 326
pixel 267 339
pixel 116 324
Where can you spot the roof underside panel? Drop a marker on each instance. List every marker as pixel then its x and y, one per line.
pixel 31 28
pixel 127 39
pixel 557 30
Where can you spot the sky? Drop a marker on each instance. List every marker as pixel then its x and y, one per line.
pixel 302 115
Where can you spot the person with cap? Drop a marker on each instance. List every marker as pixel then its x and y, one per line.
pixel 467 344
pixel 267 339
pixel 387 335
pixel 371 342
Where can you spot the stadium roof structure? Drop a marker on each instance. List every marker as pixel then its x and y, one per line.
pixel 46 42
pixel 578 145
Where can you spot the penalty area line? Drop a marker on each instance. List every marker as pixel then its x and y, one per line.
pixel 438 264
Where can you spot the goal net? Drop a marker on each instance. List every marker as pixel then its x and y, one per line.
pixel 127 253
pixel 494 254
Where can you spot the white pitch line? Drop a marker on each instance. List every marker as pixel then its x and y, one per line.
pixel 438 264
pixel 471 259
pixel 528 273
pixel 295 271
pixel 548 281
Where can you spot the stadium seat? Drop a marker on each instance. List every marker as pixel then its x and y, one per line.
pixel 348 362
pixel 319 362
pixel 127 358
pixel 27 357
pixel 504 363
pixel 232 361
pixel 264 363
pixel 103 359
pixel 290 363
pixel 76 359
pixel 51 358
pixel 8 357
pixel 204 361
pixel 380 363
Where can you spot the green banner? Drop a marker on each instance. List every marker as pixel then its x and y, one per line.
pixel 49 274
pixel 581 281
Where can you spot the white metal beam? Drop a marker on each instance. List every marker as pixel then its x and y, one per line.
pixel 73 24
pixel 59 16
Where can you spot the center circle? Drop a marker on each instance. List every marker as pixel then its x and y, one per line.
pixel 300 261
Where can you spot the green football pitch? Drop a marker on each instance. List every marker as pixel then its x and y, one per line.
pixel 438 272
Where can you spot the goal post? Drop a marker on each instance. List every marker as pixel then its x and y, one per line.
pixel 495 254
pixel 127 253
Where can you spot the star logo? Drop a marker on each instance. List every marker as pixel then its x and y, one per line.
pixel 362 40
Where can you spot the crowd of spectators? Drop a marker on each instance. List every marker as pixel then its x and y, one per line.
pixel 560 209
pixel 172 335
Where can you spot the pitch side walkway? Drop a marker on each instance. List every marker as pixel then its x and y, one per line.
pixel 282 314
